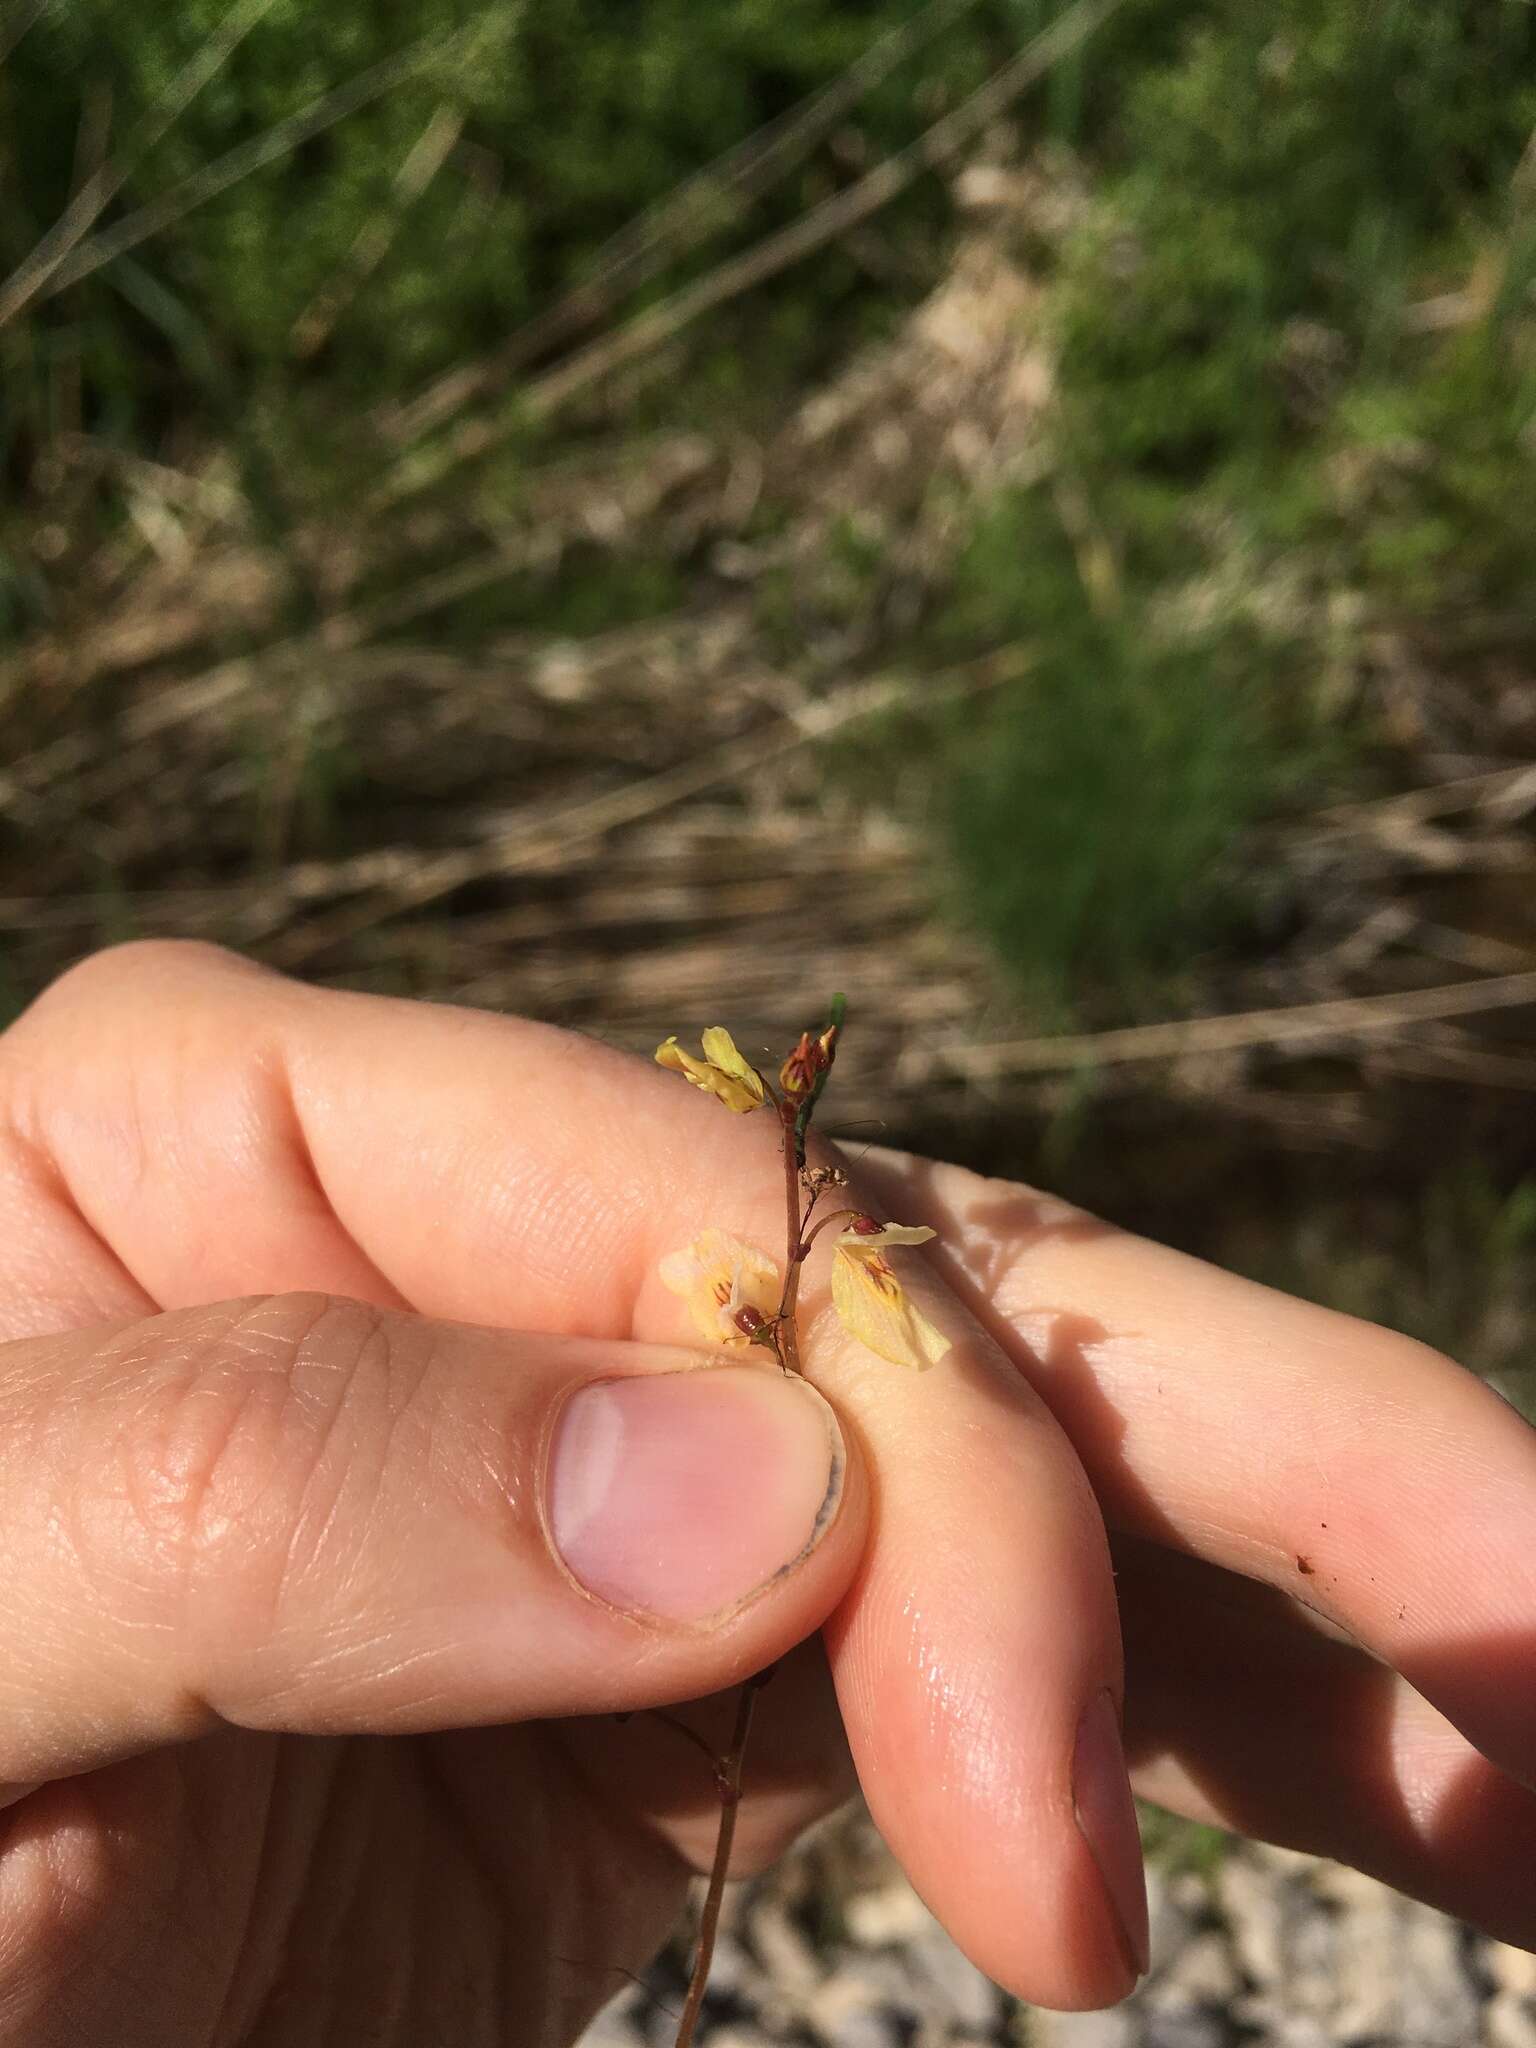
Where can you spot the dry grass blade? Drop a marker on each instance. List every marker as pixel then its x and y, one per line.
pixel 423 161
pixel 553 832
pixel 1302 1023
pixel 1445 1054
pixel 1504 793
pixel 43 271
pixel 278 141
pixel 659 324
pixel 26 16
pixel 658 237
pixel 216 689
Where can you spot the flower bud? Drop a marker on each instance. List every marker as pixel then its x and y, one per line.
pixel 798 1074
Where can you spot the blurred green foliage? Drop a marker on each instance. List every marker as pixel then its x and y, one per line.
pixel 1296 386
pixel 1097 808
pixel 1294 344
pixel 577 116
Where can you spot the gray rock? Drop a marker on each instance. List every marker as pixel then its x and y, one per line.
pixel 1398 1969
pixel 617 2026
pixel 1512 1969
pixel 1509 2021
pixel 786 1957
pixel 1188 2027
pixel 1172 1915
pixel 731 1967
pixel 1509 2018
pixel 951 1986
pixel 867 2027
pixel 1254 1906
pixel 871 1983
pixel 1117 2028
pixel 1203 1972
pixel 886 1914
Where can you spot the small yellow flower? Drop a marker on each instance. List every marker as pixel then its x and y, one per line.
pixel 729 1287
pixel 872 1302
pixel 722 1072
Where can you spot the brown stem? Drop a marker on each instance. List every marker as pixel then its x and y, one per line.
pixel 728 1777
pixel 833 1216
pixel 690 1734
pixel 794 1249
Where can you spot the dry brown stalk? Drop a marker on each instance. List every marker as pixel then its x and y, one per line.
pixel 729 1780
pixel 1501 792
pixel 26 15
pixel 48 267
pixel 1346 1017
pixel 550 833
pixel 659 324
pixel 71 263
pixel 658 237
pixel 421 164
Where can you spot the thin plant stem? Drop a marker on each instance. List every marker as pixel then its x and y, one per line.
pixel 728 1778
pixel 688 1734
pixel 794 1114
pixel 826 1223
pixel 789 1342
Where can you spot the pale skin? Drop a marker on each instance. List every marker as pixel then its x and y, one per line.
pixel 244 1539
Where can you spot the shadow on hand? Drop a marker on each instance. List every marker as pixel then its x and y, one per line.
pixel 1291 1735
pixel 1250 1697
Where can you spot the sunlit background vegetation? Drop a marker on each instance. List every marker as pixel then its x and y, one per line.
pixel 639 511
pixel 644 511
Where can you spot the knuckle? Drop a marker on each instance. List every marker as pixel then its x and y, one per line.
pixel 139 963
pixel 41 1068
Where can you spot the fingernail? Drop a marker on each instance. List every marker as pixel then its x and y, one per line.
pixel 683 1494
pixel 1106 1817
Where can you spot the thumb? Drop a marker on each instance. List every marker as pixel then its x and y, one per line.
pixel 299 1513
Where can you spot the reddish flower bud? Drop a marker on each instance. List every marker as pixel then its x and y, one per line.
pixel 798 1074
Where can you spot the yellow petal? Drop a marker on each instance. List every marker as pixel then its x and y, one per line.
pixel 717 1275
pixel 728 1088
pixel 873 1304
pixel 720 1051
pixel 888 1233
pixel 736 1095
pixel 686 1063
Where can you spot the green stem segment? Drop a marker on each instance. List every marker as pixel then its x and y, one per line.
pixel 837 1010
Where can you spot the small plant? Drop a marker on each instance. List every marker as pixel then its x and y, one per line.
pixel 739 1297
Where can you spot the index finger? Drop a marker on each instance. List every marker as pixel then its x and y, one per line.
pixel 220 1131
pixel 1338 1461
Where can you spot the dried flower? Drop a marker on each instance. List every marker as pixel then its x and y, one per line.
pixel 722 1072
pixel 818 1179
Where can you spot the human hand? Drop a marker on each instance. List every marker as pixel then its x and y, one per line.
pixel 305 1516
pixel 472 1167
